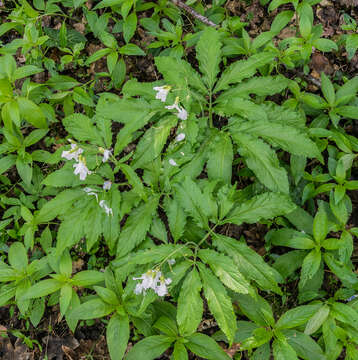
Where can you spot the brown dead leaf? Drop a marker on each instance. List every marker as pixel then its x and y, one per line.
pixel 320 63
pixel 54 346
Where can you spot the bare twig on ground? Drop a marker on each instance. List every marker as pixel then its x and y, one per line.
pixel 193 13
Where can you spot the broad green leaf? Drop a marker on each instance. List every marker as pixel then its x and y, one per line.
pixel 159 253
pixel 310 265
pixel 82 128
pixel 17 256
pixel 65 298
pixel 346 314
pixel 183 76
pixel 205 347
pixel 262 160
pixel 167 326
pixel 58 205
pixel 117 334
pixel 190 304
pixel 87 277
pixel 256 309
pixel 316 321
pixel 153 141
pixel 131 49
pixel 6 162
pixel 219 303
pixel 225 269
pixel 32 113
pixel 249 263
pixel 343 272
pixel 92 309
pixel 25 71
pixel 191 198
pixel 264 206
pixel 43 288
pixel 25 170
pixel 291 238
pixel 305 346
pixel 286 264
pixel 208 53
pixel 176 218
pixel 219 164
pixel 297 316
pixel 179 352
pixel 350 112
pixel 238 106
pixel 107 295
pixel 37 311
pixel 283 351
pixel 286 137
pixel 261 86
pixel 136 226
pixel 328 89
pixel 150 347
pixel 242 69
pixel 320 225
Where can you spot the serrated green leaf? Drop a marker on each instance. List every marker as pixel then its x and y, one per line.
pixel 262 160
pixel 225 269
pixel 82 128
pixel 286 137
pixel 264 206
pixel 219 303
pixel 249 263
pixel 219 164
pixel 153 141
pixel 243 69
pixel 208 53
pixel 190 304
pixel 297 316
pixel 136 226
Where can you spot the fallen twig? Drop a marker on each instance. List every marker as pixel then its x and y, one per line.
pixel 193 13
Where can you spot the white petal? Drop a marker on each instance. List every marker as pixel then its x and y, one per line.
pixel 172 162
pixel 180 137
pixel 107 185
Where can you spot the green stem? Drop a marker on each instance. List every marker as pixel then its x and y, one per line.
pixel 211 124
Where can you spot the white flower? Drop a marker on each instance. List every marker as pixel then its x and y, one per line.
pixel 180 137
pixel 154 280
pixel 162 289
pixel 162 92
pixel 172 162
pixel 150 280
pixel 182 113
pixel 107 185
pixel 81 168
pixel 73 153
pixel 106 208
pixel 171 261
pixel 90 191
pixel 106 155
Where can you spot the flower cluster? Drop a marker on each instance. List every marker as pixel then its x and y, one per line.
pixel 80 167
pixel 75 154
pixel 152 279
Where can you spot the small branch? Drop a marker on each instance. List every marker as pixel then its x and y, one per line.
pixel 193 13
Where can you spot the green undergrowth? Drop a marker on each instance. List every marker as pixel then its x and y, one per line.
pixel 222 191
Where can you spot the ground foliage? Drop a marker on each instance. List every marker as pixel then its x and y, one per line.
pixel 172 190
